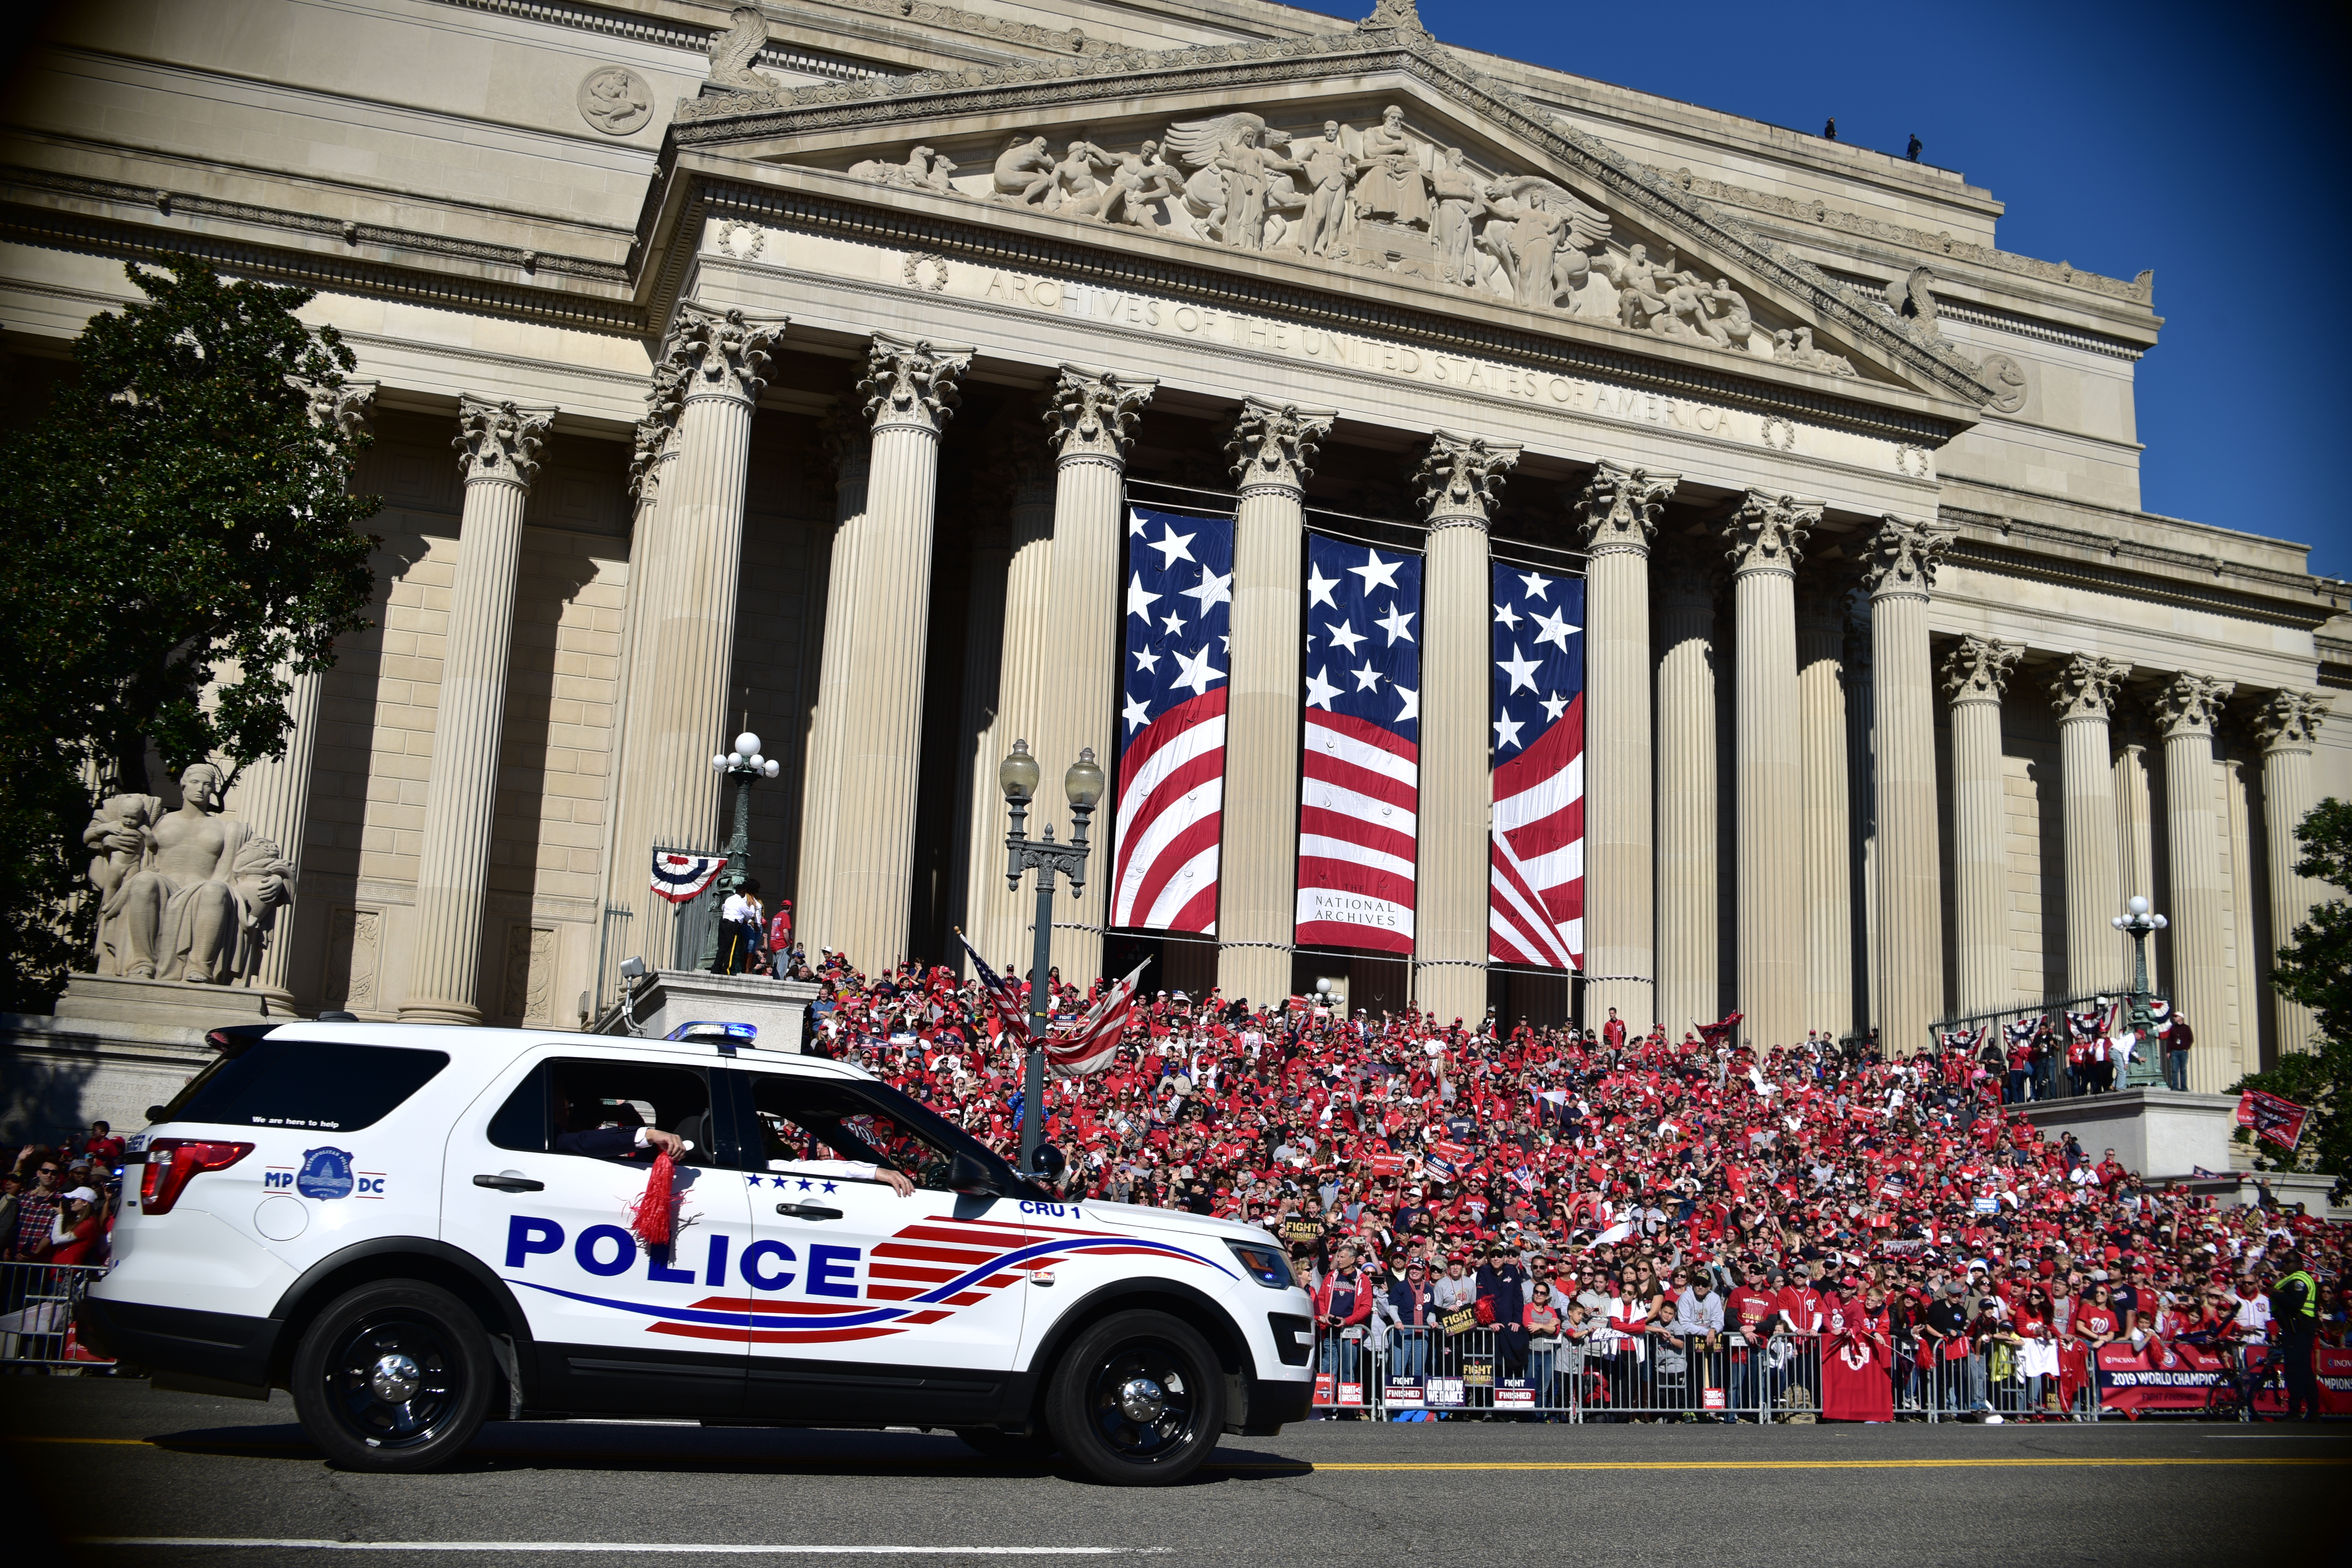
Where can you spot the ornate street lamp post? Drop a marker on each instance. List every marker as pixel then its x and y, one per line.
pixel 1082 784
pixel 743 764
pixel 2136 920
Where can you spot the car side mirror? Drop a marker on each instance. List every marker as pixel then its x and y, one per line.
pixel 967 1174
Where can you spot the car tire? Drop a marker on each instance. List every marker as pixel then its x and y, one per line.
pixel 1138 1400
pixel 393 1376
pixel 1008 1448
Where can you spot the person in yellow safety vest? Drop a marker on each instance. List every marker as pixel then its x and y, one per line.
pixel 2294 1307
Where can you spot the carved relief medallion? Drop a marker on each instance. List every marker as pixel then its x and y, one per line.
pixel 2004 372
pixel 927 270
pixel 615 100
pixel 738 239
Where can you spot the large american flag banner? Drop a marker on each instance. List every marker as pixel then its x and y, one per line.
pixel 1360 778
pixel 1171 760
pixel 1536 890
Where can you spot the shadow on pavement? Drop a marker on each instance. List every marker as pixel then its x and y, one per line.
pixel 664 1447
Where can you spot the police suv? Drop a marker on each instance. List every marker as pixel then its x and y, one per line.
pixel 412 1229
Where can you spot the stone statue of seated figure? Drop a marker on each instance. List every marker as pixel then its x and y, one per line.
pixel 184 895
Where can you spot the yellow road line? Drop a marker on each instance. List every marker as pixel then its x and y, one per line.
pixel 1320 1468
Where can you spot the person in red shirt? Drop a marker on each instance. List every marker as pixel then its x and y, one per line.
pixel 1754 1313
pixel 1613 1032
pixel 77 1234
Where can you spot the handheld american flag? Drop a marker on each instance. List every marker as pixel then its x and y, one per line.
pixel 1003 995
pixel 1087 1044
pixel 1536 890
pixel 1171 760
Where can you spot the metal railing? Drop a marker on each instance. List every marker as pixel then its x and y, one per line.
pixel 36 1315
pixel 1387 1372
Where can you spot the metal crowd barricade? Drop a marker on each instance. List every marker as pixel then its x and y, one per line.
pixel 37 1313
pixel 1388 1373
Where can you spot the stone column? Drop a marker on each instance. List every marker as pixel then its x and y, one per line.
pixel 1273 450
pixel 2247 973
pixel 1763 537
pixel 1910 954
pixel 1690 982
pixel 2135 828
pixel 1088 419
pixel 1975 676
pixel 910 393
pixel 683 602
pixel 2186 707
pixel 497 448
pixel 1829 875
pixel 273 795
pixel 1617 513
pixel 2287 723
pixel 2084 694
pixel 995 919
pixel 1456 485
pixel 847 439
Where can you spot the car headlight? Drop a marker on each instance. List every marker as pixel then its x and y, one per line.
pixel 1266 1264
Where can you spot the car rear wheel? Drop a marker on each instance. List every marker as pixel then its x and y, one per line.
pixel 1138 1400
pixel 392 1376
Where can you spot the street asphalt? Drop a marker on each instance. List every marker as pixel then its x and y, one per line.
pixel 120 1476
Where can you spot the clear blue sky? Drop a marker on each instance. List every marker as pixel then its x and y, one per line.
pixel 2188 139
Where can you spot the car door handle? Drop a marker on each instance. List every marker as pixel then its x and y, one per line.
pixel 808 1211
pixel 511 1181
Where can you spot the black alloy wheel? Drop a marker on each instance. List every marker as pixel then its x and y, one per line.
pixel 392 1376
pixel 1138 1400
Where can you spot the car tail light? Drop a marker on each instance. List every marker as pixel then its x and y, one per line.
pixel 171 1162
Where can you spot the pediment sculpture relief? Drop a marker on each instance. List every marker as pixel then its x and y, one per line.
pixel 1377 197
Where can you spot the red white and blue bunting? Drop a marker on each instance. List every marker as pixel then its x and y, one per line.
pixel 679 877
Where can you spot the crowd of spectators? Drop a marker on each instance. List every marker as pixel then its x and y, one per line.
pixel 58 1203
pixel 1576 1189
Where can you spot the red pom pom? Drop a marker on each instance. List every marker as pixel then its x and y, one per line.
pixel 651 1217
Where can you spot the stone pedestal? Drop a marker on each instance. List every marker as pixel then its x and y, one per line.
pixel 60 1075
pixel 670 998
pixel 171 1004
pixel 2154 1132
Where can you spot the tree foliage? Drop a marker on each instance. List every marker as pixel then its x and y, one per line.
pixel 2316 969
pixel 181 545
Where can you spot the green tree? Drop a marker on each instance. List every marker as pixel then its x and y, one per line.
pixel 2315 969
pixel 180 544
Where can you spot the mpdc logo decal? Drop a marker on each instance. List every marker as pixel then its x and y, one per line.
pixel 326 1173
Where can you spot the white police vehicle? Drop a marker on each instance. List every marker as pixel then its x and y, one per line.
pixel 412 1228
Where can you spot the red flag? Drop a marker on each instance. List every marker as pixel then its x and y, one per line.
pixel 1719 1033
pixel 2279 1120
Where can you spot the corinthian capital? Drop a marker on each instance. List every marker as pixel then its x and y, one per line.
pixel 1091 417
pixel 2289 721
pixel 1765 533
pixel 2086 686
pixel 498 440
pixel 910 383
pixel 1618 508
pixel 1903 557
pixel 1273 444
pixel 1978 670
pixel 650 447
pixel 339 403
pixel 1459 478
pixel 2188 704
pixel 715 352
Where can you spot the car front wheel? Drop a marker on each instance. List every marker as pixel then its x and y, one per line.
pixel 392 1376
pixel 1138 1400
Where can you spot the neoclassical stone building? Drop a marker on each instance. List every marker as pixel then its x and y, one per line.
pixel 791 367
